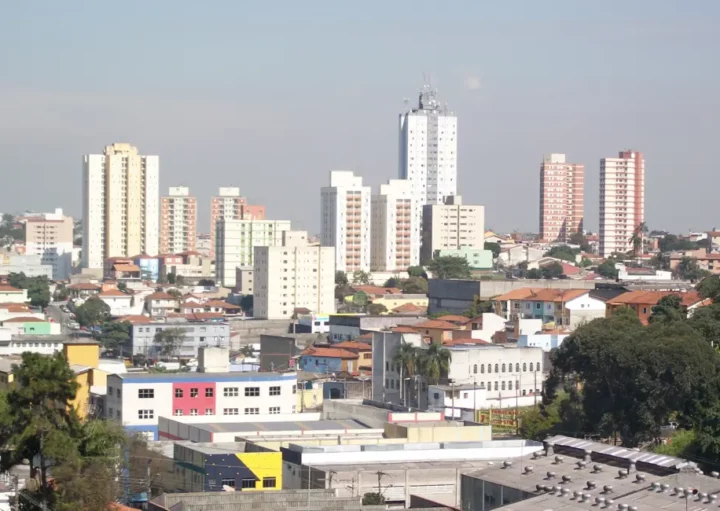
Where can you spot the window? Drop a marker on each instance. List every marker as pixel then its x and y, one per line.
pixel 209 392
pixel 110 391
pixel 274 391
pixel 110 412
pixel 531 366
pixel 510 385
pixel 503 386
pixel 294 389
pixel 231 411
pixel 497 368
pixel 489 368
pixel 119 392
pixel 248 483
pixel 465 395
pixel 146 414
pixel 193 412
pixel 146 393
pixel 193 392
pixel 436 395
pixel 269 482
pixel 231 392
pixel 178 392
pixel 524 366
pixel 392 384
pixel 228 482
pixel 208 411
pixel 274 410
pixel 293 409
pixel 517 368
pixel 503 368
pixel 178 412
pixel 387 366
pixel 252 411
pixel 475 369
pixel 252 391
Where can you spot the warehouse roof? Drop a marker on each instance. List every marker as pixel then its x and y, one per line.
pixel 252 427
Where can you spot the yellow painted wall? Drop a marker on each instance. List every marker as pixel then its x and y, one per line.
pixel 82 354
pixel 82 396
pixel 309 399
pixel 6 380
pixel 393 303
pixel 263 464
pixel 433 433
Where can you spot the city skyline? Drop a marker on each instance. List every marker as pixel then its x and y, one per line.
pixel 339 112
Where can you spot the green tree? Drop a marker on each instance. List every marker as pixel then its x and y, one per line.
pixel 553 270
pixel 341 278
pixel 478 307
pixel 578 238
pixel 493 247
pixel 706 322
pixel 116 335
pixel 637 238
pixel 660 261
pixel 361 278
pixel 417 271
pixel 668 309
pixel 171 278
pixel 122 286
pixel 534 274
pixel 93 312
pixel 563 252
pixel 670 243
pixel 407 357
pixel 392 282
pixel 175 293
pixel 435 362
pixel 39 291
pixel 43 425
pixel 449 267
pixel 62 293
pixel 688 269
pixel 709 287
pixel 246 303
pixel 206 282
pixel 247 351
pixel 607 269
pixel 375 309
pixel 169 340
pixel 373 499
pixel 415 286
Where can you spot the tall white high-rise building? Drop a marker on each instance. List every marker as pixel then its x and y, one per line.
pixel 395 238
pixel 293 275
pixel 622 201
pixel 120 204
pixel 428 151
pixel 178 221
pixel 345 222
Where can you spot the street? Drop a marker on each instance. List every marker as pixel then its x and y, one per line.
pixel 58 316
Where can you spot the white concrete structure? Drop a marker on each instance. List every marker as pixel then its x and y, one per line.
pixel 345 220
pixel 121 304
pixel 622 201
pixel 643 274
pixel 120 204
pixel 428 150
pixel 546 342
pixel 291 276
pixel 11 344
pixel 30 265
pixel 395 229
pixel 9 294
pixel 451 225
pixel 235 242
pixel 137 400
pixel 50 236
pixel 503 369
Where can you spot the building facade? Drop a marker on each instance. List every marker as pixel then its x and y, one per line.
pixel 345 220
pixel 428 149
pixel 137 400
pixel 236 241
pixel 562 188
pixel 451 225
pixel 120 204
pixel 622 201
pixel 196 336
pixel 395 231
pixel 178 221
pixel 229 204
pixel 50 236
pixel 293 275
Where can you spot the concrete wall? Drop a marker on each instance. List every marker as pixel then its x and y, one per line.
pixel 249 330
pixel 456 296
pixel 438 433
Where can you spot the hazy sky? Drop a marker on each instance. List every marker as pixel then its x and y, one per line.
pixel 270 96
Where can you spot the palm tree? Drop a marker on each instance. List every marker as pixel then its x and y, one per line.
pixel 406 357
pixel 435 362
pixel 637 239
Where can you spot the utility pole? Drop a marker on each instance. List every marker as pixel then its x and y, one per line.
pixel 16 503
pixel 452 392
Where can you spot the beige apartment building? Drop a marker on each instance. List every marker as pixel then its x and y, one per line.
pixel 229 204
pixel 120 204
pixel 562 188
pixel 451 226
pixel 395 234
pixel 178 221
pixel 236 242
pixel 50 236
pixel 293 275
pixel 622 201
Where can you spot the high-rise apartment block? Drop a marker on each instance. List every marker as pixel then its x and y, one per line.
pixel 395 234
pixel 229 204
pixel 293 275
pixel 622 201
pixel 345 220
pixel 50 236
pixel 561 198
pixel 451 226
pixel 178 221
pixel 236 240
pixel 120 204
pixel 428 150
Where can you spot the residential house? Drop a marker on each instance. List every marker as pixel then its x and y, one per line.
pixel 436 330
pixel 706 261
pixel 17 310
pixel 344 327
pixel 83 290
pixel 626 273
pixel 391 298
pixel 30 325
pixel 328 360
pixel 555 307
pixel 362 349
pixel 195 336
pixel 642 302
pixel 9 294
pixel 121 269
pixel 160 304
pixel 409 309
pixel 120 303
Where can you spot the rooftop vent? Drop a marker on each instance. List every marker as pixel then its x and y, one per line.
pixel 581 464
pixel 608 488
pixel 640 478
pixel 587 458
pixel 557 489
pixel 665 487
pixel 528 469
pixel 550 474
pixel 655 486
pixel 559 459
pixel 599 500
pixel 609 502
pixel 585 497
pixel 507 464
pixel 591 485
pixel 622 506
pixel 597 468
pixel 714 474
pixel 566 479
pixel 622 473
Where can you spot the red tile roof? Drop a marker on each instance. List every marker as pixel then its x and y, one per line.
pixel 4 288
pixel 689 298
pixel 403 329
pixel 126 267
pixel 453 318
pixel 329 353
pixel 464 342
pixel 113 292
pixel 84 286
pixel 15 307
pixel 368 335
pixel 160 295
pixel 409 308
pixel 134 319
pixel 220 304
pixel 377 290
pixel 27 319
pixel 354 345
pixel 436 324
pixel 542 294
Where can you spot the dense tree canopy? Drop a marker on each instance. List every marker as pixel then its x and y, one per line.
pixel 169 340
pixel 417 271
pixel 553 270
pixel 607 269
pixel 38 288
pixel 688 269
pixel 493 247
pixel 414 285
pixel 449 267
pixel 93 312
pixel 563 252
pixel 671 242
